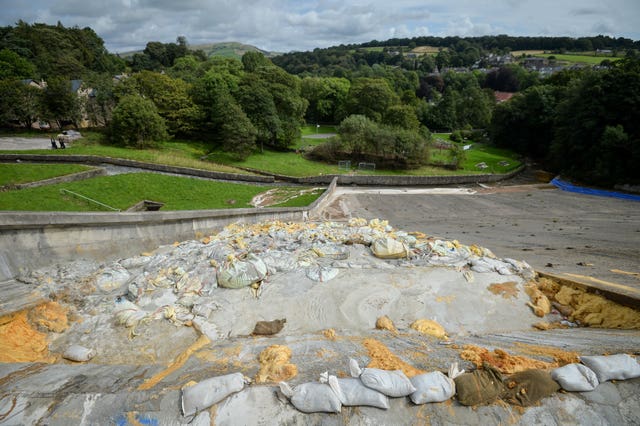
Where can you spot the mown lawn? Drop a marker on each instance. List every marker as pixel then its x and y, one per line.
pixel 13 173
pixel 123 191
pixel 283 163
pixel 173 153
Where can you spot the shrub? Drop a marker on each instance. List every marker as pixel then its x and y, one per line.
pixel 136 123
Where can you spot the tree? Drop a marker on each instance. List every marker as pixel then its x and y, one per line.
pixel 253 60
pixel 371 97
pixel 171 97
pixel 14 66
pixel 326 97
pixel 237 133
pixel 223 122
pixel 99 107
pixel 272 101
pixel 60 103
pixel 525 123
pixel 19 102
pixel 402 116
pixel 136 123
pixel 597 126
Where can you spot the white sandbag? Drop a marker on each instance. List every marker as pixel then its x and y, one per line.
pixel 79 353
pixel 353 393
pixel 575 378
pixel 127 313
pixel 391 383
pixel 435 387
pixel 432 387
pixel 331 251
pixel 388 248
pixel 241 273
pixel 312 397
pixel 613 367
pixel 321 273
pixel 210 391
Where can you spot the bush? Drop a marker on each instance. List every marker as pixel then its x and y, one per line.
pixel 136 123
pixel 361 139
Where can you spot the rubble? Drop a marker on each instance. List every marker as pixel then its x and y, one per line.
pixel 336 291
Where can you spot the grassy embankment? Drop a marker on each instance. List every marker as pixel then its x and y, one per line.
pixel 173 153
pixel 123 191
pixel 291 164
pixel 13 174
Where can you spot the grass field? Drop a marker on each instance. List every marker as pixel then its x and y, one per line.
pixel 426 50
pixel 292 164
pixel 173 153
pixel 518 53
pixel 12 173
pixel 497 160
pixel 579 59
pixel 123 191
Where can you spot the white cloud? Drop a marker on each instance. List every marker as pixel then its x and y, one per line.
pixel 285 25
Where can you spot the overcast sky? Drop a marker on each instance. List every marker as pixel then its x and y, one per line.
pixel 288 25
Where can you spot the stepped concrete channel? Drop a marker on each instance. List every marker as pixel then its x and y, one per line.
pixel 138 380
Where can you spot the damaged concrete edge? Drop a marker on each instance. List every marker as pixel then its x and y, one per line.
pixel 38 239
pixel 619 293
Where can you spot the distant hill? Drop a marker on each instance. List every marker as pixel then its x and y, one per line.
pixel 229 49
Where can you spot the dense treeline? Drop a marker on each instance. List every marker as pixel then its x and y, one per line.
pixel 341 61
pixel 584 124
pixel 510 43
pixel 55 51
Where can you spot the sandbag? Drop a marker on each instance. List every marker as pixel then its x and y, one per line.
pixel 127 313
pixel 241 273
pixel 312 397
pixel 528 387
pixel 321 273
pixel 210 391
pixel 353 393
pixel 331 251
pixel 575 378
pixel 432 387
pixel 388 248
pixel 78 353
pixel 480 386
pixel 612 367
pixel 391 383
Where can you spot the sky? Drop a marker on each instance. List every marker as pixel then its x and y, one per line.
pixel 289 25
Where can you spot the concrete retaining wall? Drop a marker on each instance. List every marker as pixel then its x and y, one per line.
pixel 394 180
pixel 260 176
pixel 93 159
pixel 35 239
pixel 87 174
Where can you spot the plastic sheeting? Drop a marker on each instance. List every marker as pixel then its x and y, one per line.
pixel 566 186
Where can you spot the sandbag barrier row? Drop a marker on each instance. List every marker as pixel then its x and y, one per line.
pixel 373 387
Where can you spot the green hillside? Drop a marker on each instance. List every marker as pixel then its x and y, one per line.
pixel 229 49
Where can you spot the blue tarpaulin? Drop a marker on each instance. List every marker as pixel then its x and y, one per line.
pixel 566 186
